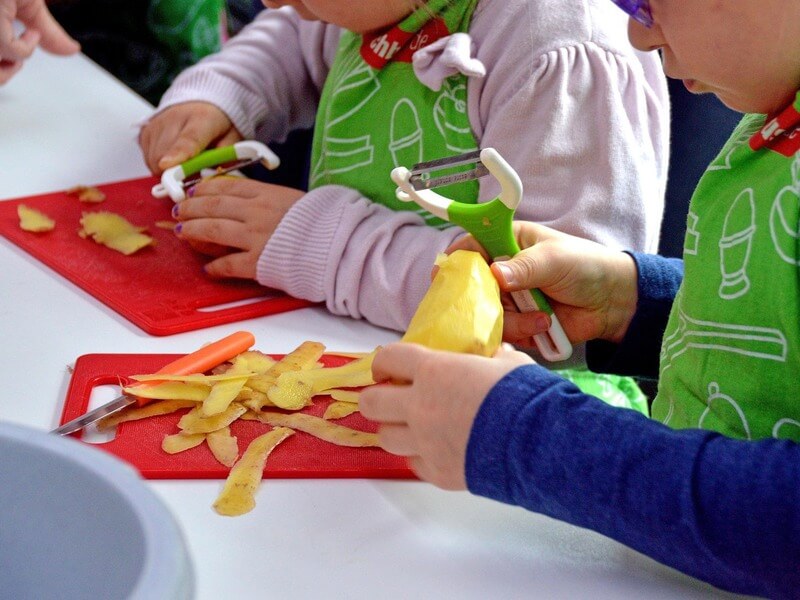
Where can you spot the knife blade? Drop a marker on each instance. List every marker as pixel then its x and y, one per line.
pixel 199 361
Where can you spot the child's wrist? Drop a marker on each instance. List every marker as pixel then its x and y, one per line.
pixel 624 297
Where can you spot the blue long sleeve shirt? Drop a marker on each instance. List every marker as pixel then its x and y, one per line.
pixel 725 511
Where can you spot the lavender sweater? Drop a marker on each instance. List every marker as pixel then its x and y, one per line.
pixel 566 100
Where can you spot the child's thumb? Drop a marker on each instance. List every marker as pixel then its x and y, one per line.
pixel 517 273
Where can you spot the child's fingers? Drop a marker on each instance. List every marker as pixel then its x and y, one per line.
pixel 385 403
pixel 397 439
pixel 54 38
pixel 193 136
pixel 211 207
pixel 240 265
pixel 224 232
pixel 15 49
pixel 240 187
pixel 397 362
pixel 184 148
pixel 522 272
pixel 231 137
pixel 467 242
pixel 518 327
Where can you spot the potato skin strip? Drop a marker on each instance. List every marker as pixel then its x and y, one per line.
pixel 252 361
pixel 33 220
pixel 223 446
pixel 221 396
pixel 238 493
pixel 151 410
pixel 179 442
pixel 194 378
pixel 320 428
pixel 295 389
pixel 303 357
pixel 342 395
pixel 114 231
pixel 169 390
pixel 339 410
pixel 250 397
pixel 194 422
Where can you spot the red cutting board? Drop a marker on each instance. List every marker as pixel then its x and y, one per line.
pixel 300 456
pixel 161 289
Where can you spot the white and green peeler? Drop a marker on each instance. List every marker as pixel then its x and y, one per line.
pixel 490 223
pixel 175 180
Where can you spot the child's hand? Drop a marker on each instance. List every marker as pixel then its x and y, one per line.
pixel 426 413
pixel 40 29
pixel 236 214
pixel 592 289
pixel 182 131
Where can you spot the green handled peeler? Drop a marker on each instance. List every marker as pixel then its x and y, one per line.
pixel 175 180
pixel 490 223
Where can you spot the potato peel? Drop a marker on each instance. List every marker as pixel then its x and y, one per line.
pixel 170 390
pixel 238 493
pixel 294 389
pixel 221 396
pixel 153 409
pixel 223 446
pixel 194 422
pixel 114 231
pixel 33 220
pixel 320 428
pixel 179 442
pixel 339 395
pixel 87 193
pixel 301 358
pixel 339 410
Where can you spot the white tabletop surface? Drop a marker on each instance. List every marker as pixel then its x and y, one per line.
pixel 64 121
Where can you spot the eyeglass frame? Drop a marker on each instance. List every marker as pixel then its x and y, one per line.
pixel 639 10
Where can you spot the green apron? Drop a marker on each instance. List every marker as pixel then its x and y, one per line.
pixel 730 357
pixel 375 115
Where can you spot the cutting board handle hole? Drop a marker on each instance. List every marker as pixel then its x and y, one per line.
pixel 236 304
pixel 100 395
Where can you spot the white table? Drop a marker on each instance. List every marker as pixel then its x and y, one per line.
pixel 64 121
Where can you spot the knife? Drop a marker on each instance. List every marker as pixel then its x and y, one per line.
pixel 207 357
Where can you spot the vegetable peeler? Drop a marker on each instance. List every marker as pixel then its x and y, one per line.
pixel 490 223
pixel 175 180
pixel 199 361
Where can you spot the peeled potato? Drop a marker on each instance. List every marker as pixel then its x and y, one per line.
pixel 461 312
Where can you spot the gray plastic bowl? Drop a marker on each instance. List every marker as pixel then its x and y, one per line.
pixel 76 522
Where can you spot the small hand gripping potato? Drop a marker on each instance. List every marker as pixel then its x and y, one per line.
pixel 490 223
pixel 175 180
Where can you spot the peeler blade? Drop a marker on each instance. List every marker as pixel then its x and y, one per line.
pixel 421 179
pixel 241 164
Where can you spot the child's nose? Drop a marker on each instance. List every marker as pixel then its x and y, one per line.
pixel 645 38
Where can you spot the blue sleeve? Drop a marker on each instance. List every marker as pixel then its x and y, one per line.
pixel 725 511
pixel 637 354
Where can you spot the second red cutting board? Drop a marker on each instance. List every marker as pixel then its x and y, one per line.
pixel 161 289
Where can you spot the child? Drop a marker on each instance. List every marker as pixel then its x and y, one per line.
pixel 560 94
pixel 40 29
pixel 724 510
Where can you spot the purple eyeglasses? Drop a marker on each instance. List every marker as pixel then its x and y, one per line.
pixel 639 10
